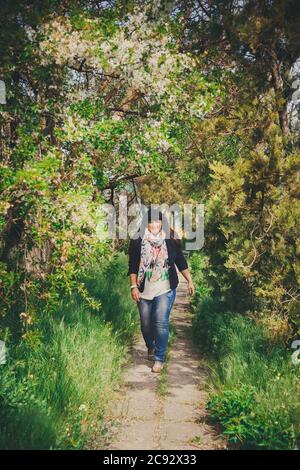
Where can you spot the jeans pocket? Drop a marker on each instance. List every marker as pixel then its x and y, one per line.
pixel 171 297
pixel 172 293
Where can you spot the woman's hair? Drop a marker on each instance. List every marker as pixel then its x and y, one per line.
pixel 155 214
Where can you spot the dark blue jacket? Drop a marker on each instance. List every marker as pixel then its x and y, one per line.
pixel 175 257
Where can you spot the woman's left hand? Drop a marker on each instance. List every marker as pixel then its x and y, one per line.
pixel 191 288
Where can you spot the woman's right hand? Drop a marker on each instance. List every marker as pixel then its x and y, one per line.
pixel 135 294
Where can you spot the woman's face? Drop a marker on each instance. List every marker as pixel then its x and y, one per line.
pixel 155 226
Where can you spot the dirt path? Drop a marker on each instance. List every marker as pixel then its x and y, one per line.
pixel 142 417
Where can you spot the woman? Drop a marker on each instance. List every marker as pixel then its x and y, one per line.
pixel 153 281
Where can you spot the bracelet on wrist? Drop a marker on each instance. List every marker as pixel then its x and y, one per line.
pixel 132 287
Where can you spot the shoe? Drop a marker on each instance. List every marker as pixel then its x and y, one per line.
pixel 157 366
pixel 151 352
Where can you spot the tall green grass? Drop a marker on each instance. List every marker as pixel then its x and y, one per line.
pixel 254 385
pixel 55 395
pixel 110 284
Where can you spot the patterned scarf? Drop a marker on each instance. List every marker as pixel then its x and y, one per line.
pixel 154 254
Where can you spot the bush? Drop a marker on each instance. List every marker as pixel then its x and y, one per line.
pixel 255 386
pixel 54 393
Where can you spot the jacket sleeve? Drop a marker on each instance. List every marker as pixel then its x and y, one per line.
pixel 133 258
pixel 180 260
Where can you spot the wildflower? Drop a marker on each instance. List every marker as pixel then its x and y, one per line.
pixel 26 318
pixel 82 407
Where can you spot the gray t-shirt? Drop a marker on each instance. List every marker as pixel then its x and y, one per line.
pixel 154 288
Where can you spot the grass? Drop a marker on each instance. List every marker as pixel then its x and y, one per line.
pixel 254 391
pixel 197 440
pixel 55 395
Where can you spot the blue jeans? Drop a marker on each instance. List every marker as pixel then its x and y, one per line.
pixel 154 315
